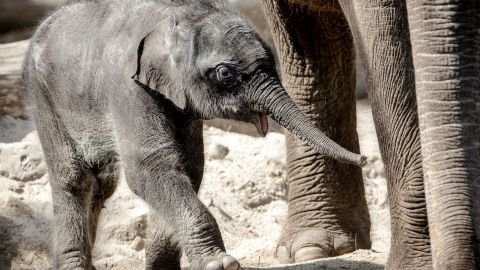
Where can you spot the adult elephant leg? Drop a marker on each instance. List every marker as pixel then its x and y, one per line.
pixel 446 49
pixel 380 30
pixel 327 212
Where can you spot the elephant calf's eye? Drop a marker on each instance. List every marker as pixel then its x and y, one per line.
pixel 226 75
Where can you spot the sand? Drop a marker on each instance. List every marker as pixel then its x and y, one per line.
pixel 244 187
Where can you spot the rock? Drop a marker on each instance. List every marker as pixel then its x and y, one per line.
pixel 378 167
pixel 262 192
pixel 274 170
pixel 15 206
pixel 124 227
pixel 22 161
pixel 375 183
pixel 374 169
pixel 257 200
pixel 13 129
pixel 140 225
pixel 138 243
pixel 11 58
pixel 217 151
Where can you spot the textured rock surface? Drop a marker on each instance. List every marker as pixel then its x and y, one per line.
pixel 217 151
pixel 22 161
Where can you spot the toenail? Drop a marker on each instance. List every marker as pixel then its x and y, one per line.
pixel 214 265
pixel 230 263
pixel 283 255
pixel 310 253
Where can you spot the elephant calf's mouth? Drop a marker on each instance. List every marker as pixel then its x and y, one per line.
pixel 261 123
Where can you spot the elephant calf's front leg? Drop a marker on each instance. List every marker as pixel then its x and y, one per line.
pixel 156 169
pixel 169 192
pixel 174 199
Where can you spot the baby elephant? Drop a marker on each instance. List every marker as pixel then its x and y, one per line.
pixel 126 83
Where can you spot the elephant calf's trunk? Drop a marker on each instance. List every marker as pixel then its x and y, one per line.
pixel 281 108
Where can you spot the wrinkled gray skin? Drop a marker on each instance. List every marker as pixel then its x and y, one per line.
pixel 422 63
pixel 126 83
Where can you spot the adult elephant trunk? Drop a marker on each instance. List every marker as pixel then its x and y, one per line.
pixel 269 97
pixel 445 44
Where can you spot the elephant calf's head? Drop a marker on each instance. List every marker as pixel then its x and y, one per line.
pixel 209 62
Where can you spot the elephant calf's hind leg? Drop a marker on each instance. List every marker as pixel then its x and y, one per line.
pixel 73 250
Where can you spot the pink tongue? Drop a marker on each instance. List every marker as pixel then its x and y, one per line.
pixel 262 124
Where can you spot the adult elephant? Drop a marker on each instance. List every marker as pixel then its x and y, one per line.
pixel 422 63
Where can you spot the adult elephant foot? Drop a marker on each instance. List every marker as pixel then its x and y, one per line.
pixel 305 244
pixel 327 213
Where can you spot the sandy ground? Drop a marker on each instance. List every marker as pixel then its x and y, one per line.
pixel 244 188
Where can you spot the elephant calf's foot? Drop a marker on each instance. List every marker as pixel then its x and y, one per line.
pixel 221 261
pixel 305 244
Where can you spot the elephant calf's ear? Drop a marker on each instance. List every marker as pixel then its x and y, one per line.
pixel 150 72
pixel 139 69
